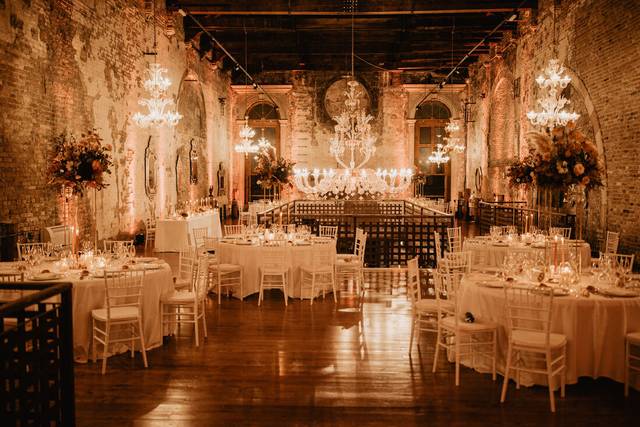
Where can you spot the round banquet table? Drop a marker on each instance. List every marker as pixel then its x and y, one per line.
pixel 249 256
pixel 491 254
pixel 595 327
pixel 89 293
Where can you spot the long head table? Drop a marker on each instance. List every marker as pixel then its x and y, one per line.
pixel 172 235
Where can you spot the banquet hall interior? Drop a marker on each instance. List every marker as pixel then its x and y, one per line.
pixel 319 212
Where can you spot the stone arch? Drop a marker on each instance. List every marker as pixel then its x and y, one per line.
pixel 589 123
pixel 454 107
pixel 190 140
pixel 246 101
pixel 502 137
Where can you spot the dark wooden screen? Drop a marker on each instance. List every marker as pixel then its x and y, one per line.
pixel 36 356
pixel 397 230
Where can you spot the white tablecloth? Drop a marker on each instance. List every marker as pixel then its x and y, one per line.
pixel 172 235
pixel 249 258
pixel 89 293
pixel 595 328
pixel 485 252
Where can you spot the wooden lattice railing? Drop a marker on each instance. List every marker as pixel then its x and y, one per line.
pixel 397 230
pixel 36 356
pixel 516 213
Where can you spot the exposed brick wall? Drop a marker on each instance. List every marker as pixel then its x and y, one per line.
pixel 598 43
pixel 73 65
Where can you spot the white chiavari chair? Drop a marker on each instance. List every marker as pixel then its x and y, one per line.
pixel 210 245
pixel 225 276
pixel 112 246
pixel 455 335
pixel 560 231
pixel 454 236
pixel 328 231
pixel 150 236
pixel 438 247
pixel 622 262
pixel 236 230
pixel 188 306
pixel 457 262
pixel 632 360
pixel 611 243
pixel 123 295
pixel 424 310
pixel 353 255
pixel 528 313
pixel 186 269
pixel 321 272
pixel 197 237
pixel 29 248
pixel 273 271
pixel 353 268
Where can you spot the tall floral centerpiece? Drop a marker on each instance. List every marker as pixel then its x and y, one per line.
pixel 562 159
pixel 76 164
pixel 272 172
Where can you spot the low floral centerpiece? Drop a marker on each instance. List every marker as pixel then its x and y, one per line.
pixel 79 163
pixel 272 171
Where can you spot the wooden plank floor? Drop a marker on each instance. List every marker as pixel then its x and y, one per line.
pixel 304 365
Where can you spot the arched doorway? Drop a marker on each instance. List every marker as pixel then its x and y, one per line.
pixel 264 119
pixel 431 118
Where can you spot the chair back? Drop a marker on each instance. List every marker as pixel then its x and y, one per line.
pixel 150 224
pixel 113 246
pixel 528 310
pixel 328 231
pixel 454 236
pixel 235 230
pixel 200 278
pixel 323 257
pixel 459 262
pixel 446 285
pixel 560 231
pixel 438 246
pixel 59 235
pixel 198 235
pixel 26 249
pixel 360 247
pixel 273 257
pixel 413 280
pixel 186 265
pixel 611 244
pixel 123 288
pixel 210 243
pixel 620 261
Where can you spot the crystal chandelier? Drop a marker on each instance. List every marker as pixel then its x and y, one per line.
pixel 552 103
pixel 439 156
pixel 246 144
pixel 158 104
pixel 453 143
pixel 352 145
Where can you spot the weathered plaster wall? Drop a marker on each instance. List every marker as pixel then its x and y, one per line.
pixel 74 65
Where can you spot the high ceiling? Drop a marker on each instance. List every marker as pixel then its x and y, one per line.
pixel 423 35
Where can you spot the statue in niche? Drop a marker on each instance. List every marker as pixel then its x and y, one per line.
pixel 221 174
pixel 193 162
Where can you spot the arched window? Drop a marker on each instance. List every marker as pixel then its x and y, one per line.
pixel 431 118
pixel 263 118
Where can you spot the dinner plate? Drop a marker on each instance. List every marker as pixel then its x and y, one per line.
pixel 500 244
pixel 151 266
pixel 146 259
pixel 303 243
pixel 244 243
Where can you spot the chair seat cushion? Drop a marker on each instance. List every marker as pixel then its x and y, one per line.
pixel 427 305
pixel 178 297
pixel 537 339
pixel 117 313
pixel 317 269
pixel 226 268
pixel 450 323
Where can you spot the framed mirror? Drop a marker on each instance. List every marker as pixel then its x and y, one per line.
pixel 150 169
